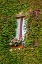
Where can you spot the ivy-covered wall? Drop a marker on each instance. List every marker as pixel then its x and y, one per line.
pixel 34 23
pixel 8 27
pixel 8 9
pixel 34 27
pixel 8 23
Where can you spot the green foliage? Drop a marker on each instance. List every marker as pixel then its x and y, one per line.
pixel 8 9
pixel 8 26
pixel 34 23
pixel 25 55
pixel 34 27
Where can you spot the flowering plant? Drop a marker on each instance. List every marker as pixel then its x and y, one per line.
pixel 15 42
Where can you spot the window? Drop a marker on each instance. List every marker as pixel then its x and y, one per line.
pixel 20 28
